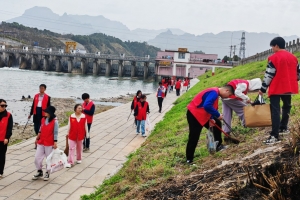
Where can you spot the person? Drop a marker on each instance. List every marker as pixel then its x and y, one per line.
pixel 169 85
pixel 46 141
pixel 41 101
pixel 203 112
pixel 239 100
pixel 6 126
pixel 178 87
pixel 160 95
pixel 141 110
pixel 166 87
pixel 134 102
pixel 281 78
pixel 172 84
pixel 88 107
pixel 185 85
pixel 77 129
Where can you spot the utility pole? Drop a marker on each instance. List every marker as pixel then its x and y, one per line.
pixel 233 52
pixel 230 51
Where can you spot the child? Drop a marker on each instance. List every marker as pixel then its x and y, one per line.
pixel 46 141
pixel 141 111
pixel 77 129
pixel 6 126
pixel 160 95
pixel 89 110
pixel 201 111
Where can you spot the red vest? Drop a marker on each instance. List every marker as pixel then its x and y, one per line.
pixel 199 113
pixel 285 80
pixel 88 107
pixel 47 133
pixel 162 93
pixel 186 83
pixel 135 101
pixel 3 126
pixel 178 85
pixel 77 129
pixel 44 103
pixel 234 84
pixel 142 111
pixel 172 82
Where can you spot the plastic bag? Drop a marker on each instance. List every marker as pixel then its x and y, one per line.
pixel 148 125
pixel 56 160
pixel 210 142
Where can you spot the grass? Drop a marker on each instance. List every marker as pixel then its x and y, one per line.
pixel 162 156
pixel 66 120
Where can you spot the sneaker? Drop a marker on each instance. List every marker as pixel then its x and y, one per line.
pixel 46 177
pixel 78 161
pixel 37 175
pixel 137 133
pixel 87 149
pixel 271 140
pixel 189 162
pixel 68 165
pixel 284 131
pixel 84 149
pixel 221 148
pixel 144 135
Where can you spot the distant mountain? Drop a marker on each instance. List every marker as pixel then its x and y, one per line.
pixel 147 34
pixel 217 43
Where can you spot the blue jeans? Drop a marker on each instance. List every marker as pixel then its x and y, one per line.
pixel 142 124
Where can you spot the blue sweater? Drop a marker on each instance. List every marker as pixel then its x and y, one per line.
pixel 208 100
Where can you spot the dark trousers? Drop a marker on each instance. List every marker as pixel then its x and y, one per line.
pixel 166 92
pixel 3 149
pixel 160 101
pixel 194 134
pixel 275 113
pixel 86 141
pixel 171 87
pixel 178 92
pixel 37 119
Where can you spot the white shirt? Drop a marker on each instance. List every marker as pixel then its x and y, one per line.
pixel 40 100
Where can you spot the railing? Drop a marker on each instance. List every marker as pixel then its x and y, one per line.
pixel 87 55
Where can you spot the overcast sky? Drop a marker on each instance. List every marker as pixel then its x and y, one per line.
pixel 193 16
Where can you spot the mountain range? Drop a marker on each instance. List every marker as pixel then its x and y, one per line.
pixel 168 38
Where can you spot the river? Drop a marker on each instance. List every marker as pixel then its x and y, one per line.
pixel 15 83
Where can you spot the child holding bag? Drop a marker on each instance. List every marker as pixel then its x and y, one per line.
pixel 77 130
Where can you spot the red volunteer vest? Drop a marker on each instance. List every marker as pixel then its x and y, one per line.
pixel 162 94
pixel 47 133
pixel 178 85
pixel 77 129
pixel 135 101
pixel 186 83
pixel 199 113
pixel 142 111
pixel 3 126
pixel 172 82
pixel 285 80
pixel 88 107
pixel 44 103
pixel 234 84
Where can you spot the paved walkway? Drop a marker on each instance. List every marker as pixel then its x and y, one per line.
pixel 112 139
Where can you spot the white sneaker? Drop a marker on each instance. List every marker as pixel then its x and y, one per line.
pixel 78 161
pixel 68 165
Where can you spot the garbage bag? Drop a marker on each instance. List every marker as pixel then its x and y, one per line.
pixel 210 142
pixel 56 160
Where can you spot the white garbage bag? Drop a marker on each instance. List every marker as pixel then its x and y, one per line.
pixel 210 142
pixel 148 125
pixel 56 160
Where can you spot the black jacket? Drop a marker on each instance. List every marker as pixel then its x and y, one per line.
pixel 9 125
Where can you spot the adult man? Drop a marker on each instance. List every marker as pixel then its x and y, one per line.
pixel 160 95
pixel 6 126
pixel 178 87
pixel 88 108
pixel 281 77
pixel 239 100
pixel 41 101
pixel 202 111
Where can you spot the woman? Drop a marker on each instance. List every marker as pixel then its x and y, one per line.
pixel 46 141
pixel 135 100
pixel 6 125
pixel 77 129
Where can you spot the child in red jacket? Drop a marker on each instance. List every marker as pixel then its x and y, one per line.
pixel 140 112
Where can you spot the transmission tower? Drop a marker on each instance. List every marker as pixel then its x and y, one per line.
pixel 230 51
pixel 242 46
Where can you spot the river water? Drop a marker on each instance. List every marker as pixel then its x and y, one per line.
pixel 15 82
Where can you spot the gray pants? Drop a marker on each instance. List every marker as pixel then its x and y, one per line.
pixel 229 106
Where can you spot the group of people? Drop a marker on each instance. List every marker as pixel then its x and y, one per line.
pixel 280 79
pixel 46 128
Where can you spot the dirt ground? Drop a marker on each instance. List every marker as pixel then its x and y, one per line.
pixel 64 107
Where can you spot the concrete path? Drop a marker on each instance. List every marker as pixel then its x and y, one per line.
pixel 112 139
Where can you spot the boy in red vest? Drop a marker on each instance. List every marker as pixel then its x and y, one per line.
pixel 203 110
pixel 239 100
pixel 41 101
pixel 281 77
pixel 6 126
pixel 88 108
pixel 160 95
pixel 141 110
pixel 178 87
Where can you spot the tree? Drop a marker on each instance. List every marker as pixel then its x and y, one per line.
pixel 236 58
pixel 226 58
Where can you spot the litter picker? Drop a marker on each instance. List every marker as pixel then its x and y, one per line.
pixel 129 115
pixel 25 126
pixel 234 140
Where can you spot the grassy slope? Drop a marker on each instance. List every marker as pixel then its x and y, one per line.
pixel 162 156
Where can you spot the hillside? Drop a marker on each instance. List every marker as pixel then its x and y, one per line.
pixel 92 43
pixel 250 170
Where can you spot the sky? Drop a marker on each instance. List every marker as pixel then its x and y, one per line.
pixel 192 16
